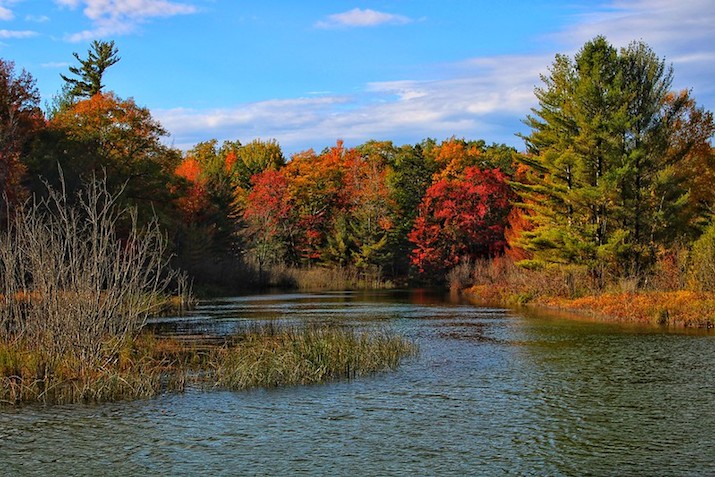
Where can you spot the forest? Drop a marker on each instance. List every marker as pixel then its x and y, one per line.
pixel 608 211
pixel 613 190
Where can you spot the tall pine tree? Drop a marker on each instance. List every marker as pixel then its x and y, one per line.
pixel 603 184
pixel 100 56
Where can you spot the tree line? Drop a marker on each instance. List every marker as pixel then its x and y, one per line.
pixel 617 171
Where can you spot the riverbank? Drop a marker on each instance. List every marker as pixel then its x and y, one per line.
pixel 266 356
pixel 682 308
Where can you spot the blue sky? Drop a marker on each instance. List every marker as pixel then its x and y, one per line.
pixel 310 72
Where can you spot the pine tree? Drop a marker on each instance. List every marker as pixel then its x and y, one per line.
pixel 89 74
pixel 604 183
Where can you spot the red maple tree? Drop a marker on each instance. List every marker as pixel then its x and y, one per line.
pixel 460 219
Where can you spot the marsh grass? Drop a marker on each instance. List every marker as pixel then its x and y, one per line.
pixel 268 357
pixel 314 278
pixel 264 356
pixel 128 372
pixel 672 295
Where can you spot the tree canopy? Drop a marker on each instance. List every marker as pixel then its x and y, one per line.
pixel 605 186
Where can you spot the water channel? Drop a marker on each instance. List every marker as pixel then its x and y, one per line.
pixel 492 392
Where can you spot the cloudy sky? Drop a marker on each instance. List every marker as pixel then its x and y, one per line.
pixel 308 72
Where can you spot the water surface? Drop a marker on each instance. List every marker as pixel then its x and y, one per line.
pixel 492 392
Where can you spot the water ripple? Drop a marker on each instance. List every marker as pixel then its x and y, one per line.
pixel 491 393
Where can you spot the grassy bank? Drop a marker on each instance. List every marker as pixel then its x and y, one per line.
pixel 317 278
pixel 569 288
pixel 267 356
pixel 677 308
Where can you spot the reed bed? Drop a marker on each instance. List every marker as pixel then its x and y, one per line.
pixel 267 356
pixel 314 278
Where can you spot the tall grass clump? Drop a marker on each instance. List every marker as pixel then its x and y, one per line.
pixel 269 357
pixel 78 278
pixel 501 280
pixel 313 278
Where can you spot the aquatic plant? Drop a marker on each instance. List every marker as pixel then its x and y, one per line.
pixel 263 356
pixel 268 358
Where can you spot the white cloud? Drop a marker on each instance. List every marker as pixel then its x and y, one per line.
pixel 37 18
pixel 17 34
pixel 659 23
pixel 362 18
pixel 119 17
pixel 6 14
pixel 469 104
pixel 56 64
pixel 484 97
pixel 682 32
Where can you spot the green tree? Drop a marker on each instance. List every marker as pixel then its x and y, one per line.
pixel 409 177
pixel 100 56
pixel 250 159
pixel 599 152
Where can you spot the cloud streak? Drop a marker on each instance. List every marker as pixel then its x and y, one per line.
pixel 479 97
pixel 357 18
pixel 471 104
pixel 680 31
pixel 17 34
pixel 120 17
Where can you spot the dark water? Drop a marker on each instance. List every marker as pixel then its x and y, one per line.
pixel 492 393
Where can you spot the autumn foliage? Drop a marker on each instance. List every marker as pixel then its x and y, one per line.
pixel 20 117
pixel 461 219
pixel 612 180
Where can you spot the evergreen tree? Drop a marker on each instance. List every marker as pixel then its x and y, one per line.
pixel 101 56
pixel 604 184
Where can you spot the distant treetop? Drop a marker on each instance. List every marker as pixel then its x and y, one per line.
pixel 101 56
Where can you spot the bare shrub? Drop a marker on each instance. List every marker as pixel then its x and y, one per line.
pixel 460 276
pixel 499 279
pixel 70 285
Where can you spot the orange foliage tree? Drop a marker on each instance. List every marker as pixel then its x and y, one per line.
pixel 106 134
pixel 315 186
pixel 20 117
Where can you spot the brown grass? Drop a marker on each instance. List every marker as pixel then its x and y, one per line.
pixel 676 308
pixel 316 278
pixel 655 299
pixel 147 365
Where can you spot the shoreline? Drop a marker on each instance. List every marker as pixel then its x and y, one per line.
pixel 675 309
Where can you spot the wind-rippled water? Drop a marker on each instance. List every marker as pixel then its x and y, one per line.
pixel 492 392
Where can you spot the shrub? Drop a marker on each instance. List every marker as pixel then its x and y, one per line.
pixel 70 283
pixel 702 261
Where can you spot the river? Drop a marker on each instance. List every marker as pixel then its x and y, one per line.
pixel 492 392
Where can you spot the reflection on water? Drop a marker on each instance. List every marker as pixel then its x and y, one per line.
pixel 492 393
